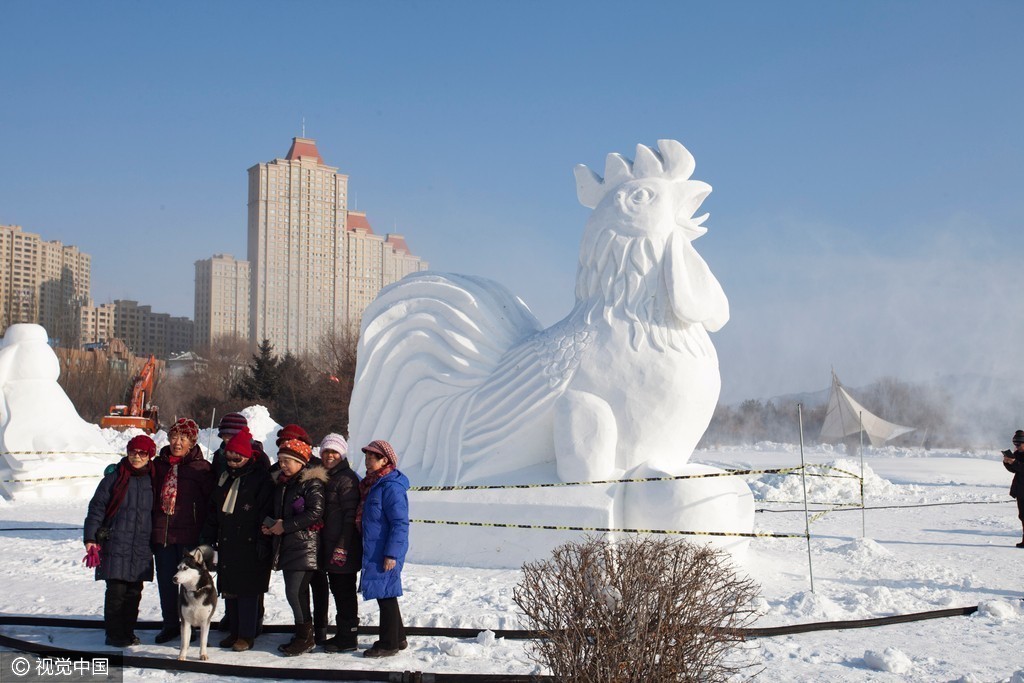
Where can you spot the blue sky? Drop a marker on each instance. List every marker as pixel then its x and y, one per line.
pixel 865 157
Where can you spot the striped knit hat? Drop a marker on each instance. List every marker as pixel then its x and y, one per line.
pixel 231 424
pixel 334 442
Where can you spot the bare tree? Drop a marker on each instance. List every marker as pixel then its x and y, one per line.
pixel 207 386
pixel 92 382
pixel 641 609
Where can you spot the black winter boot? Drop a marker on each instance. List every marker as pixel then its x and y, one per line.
pixel 347 638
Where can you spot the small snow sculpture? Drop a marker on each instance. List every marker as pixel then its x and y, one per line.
pixel 45 447
pixel 460 377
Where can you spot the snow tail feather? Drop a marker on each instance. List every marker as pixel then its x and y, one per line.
pixel 433 338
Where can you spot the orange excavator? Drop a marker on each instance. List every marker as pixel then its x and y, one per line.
pixel 138 412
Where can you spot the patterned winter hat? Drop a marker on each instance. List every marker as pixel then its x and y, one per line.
pixel 1018 437
pixel 293 431
pixel 231 424
pixel 294 449
pixel 241 443
pixel 384 450
pixel 142 443
pixel 186 427
pixel 334 442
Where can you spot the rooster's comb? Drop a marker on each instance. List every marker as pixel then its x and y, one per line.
pixel 674 162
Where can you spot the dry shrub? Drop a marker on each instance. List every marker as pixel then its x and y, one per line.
pixel 640 609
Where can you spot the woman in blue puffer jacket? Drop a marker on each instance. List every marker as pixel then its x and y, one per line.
pixel 383 517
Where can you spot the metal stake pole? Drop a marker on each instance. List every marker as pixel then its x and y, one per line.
pixel 863 514
pixel 803 480
pixel 213 418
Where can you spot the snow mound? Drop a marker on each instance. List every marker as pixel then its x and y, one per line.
pixel 811 605
pixel 891 660
pixel 482 648
pixel 862 550
pixel 834 483
pixel 999 610
pixel 262 427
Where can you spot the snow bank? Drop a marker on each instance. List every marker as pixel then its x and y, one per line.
pixel 891 660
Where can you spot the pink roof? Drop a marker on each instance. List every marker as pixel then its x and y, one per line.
pixel 397 242
pixel 357 219
pixel 304 147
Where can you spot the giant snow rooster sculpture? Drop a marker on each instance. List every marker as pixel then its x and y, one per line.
pixel 459 376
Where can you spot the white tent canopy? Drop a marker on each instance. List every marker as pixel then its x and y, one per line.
pixel 845 417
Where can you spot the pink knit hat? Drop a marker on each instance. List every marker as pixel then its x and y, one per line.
pixel 383 450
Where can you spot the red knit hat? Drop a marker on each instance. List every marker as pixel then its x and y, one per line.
pixel 142 443
pixel 186 427
pixel 293 431
pixel 240 443
pixel 231 424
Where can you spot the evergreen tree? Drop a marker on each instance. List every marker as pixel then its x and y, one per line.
pixel 261 380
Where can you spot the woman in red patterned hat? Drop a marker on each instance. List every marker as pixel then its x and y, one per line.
pixel 298 513
pixel 184 481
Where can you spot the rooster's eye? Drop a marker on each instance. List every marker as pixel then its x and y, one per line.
pixel 641 196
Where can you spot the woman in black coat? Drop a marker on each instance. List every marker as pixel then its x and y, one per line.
pixel 341 545
pixel 242 500
pixel 117 535
pixel 298 513
pixel 1013 461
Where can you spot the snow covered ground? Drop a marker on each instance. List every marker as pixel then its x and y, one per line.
pixel 909 560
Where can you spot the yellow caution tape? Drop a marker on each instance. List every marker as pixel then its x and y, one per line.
pixel 61 453
pixel 484 487
pixel 552 527
pixel 25 481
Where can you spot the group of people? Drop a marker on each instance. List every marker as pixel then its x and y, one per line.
pixel 308 516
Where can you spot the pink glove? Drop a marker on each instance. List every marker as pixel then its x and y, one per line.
pixel 339 557
pixel 92 557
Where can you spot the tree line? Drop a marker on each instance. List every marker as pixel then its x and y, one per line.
pixel 312 389
pixel 927 408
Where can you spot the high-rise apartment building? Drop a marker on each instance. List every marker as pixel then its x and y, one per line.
pixel 146 332
pixel 42 282
pixel 314 265
pixel 96 323
pixel 222 299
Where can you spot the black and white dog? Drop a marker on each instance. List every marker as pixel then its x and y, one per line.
pixel 197 600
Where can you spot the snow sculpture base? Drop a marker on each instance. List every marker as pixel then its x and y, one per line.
pixel 706 504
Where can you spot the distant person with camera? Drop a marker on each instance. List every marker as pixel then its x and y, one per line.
pixel 1013 461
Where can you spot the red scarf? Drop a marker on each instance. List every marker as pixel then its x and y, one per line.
pixel 365 485
pixel 169 492
pixel 124 474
